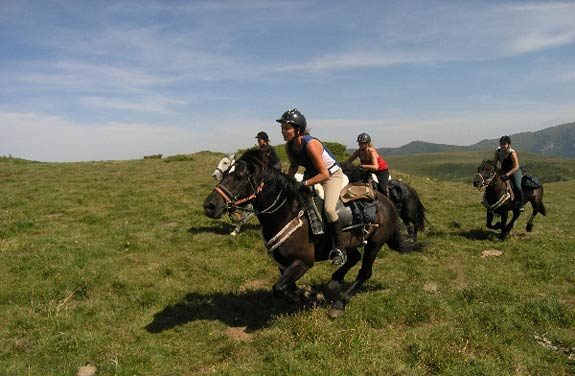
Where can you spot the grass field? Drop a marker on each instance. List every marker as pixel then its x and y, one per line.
pixel 113 265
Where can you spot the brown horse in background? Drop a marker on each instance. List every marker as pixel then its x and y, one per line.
pixel 280 205
pixel 498 198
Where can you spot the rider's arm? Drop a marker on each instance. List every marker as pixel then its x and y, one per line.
pixel 353 157
pixel 372 166
pixel 293 165
pixel 314 150
pixel 515 164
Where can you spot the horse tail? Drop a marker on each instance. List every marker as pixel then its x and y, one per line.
pixel 397 243
pixel 420 216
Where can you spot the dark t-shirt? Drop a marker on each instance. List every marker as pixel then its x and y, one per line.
pixel 273 157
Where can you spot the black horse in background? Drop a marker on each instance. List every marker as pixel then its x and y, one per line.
pixel 280 203
pixel 498 198
pixel 404 198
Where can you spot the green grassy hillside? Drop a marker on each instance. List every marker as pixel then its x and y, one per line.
pixel 462 166
pixel 113 264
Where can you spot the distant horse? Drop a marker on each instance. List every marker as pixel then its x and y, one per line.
pixel 498 198
pixel 280 205
pixel 404 197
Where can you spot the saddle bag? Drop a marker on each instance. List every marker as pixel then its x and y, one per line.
pixel 363 211
pixel 530 182
pixel 356 191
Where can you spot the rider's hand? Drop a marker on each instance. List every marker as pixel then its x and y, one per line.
pixel 504 177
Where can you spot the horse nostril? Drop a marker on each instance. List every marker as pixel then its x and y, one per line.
pixel 209 208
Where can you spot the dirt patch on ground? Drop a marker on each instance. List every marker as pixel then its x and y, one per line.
pixel 430 287
pixel 239 333
pixel 491 253
pixel 258 284
pixel 88 370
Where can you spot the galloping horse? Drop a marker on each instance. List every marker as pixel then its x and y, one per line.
pixel 404 197
pixel 498 198
pixel 280 205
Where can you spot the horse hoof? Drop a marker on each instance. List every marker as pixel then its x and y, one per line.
pixel 233 233
pixel 336 310
pixel 529 227
pixel 334 285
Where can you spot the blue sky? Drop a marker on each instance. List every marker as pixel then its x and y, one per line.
pixel 101 80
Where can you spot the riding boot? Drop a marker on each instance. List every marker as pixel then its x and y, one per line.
pixel 337 254
pixel 519 199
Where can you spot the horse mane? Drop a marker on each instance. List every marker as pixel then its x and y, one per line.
pixel 258 164
pixel 489 162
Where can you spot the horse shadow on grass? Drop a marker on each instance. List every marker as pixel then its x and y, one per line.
pixel 252 309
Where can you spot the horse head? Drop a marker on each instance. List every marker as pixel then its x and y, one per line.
pixel 223 166
pixel 486 173
pixel 239 185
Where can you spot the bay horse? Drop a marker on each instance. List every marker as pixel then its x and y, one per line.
pixel 404 198
pixel 498 198
pixel 280 204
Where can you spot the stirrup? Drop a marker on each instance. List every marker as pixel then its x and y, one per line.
pixel 337 257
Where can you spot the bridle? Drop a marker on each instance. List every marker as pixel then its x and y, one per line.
pixel 235 202
pixel 485 182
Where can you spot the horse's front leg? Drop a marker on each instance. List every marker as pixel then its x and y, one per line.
pixel 365 272
pixel 489 221
pixel 285 287
pixel 353 256
pixel 504 233
pixel 516 214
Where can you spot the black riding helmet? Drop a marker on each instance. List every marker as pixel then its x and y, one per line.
pixel 363 137
pixel 505 140
pixel 294 118
pixel 263 136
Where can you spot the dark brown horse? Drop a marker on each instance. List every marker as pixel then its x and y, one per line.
pixel 280 204
pixel 498 198
pixel 404 198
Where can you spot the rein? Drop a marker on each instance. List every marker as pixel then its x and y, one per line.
pixel 486 183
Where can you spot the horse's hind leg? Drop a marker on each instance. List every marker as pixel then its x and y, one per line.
pixel 365 272
pixel 353 256
pixel 529 226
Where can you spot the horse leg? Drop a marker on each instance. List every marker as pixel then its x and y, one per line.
pixel 529 226
pixel 504 227
pixel 365 272
pixel 285 287
pixel 490 221
pixel 353 256
pixel 516 214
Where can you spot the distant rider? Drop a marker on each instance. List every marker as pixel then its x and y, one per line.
pixel 320 167
pixel 509 161
pixel 370 160
pixel 264 144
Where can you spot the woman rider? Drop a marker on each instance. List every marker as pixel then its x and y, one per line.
pixel 507 157
pixel 370 160
pixel 320 167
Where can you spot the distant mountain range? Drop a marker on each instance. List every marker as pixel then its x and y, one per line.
pixel 558 141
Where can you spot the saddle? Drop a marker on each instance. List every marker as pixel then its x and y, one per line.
pixel 530 182
pixel 356 207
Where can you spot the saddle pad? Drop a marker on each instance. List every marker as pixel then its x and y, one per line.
pixel 356 191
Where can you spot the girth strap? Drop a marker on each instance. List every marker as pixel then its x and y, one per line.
pixel 285 233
